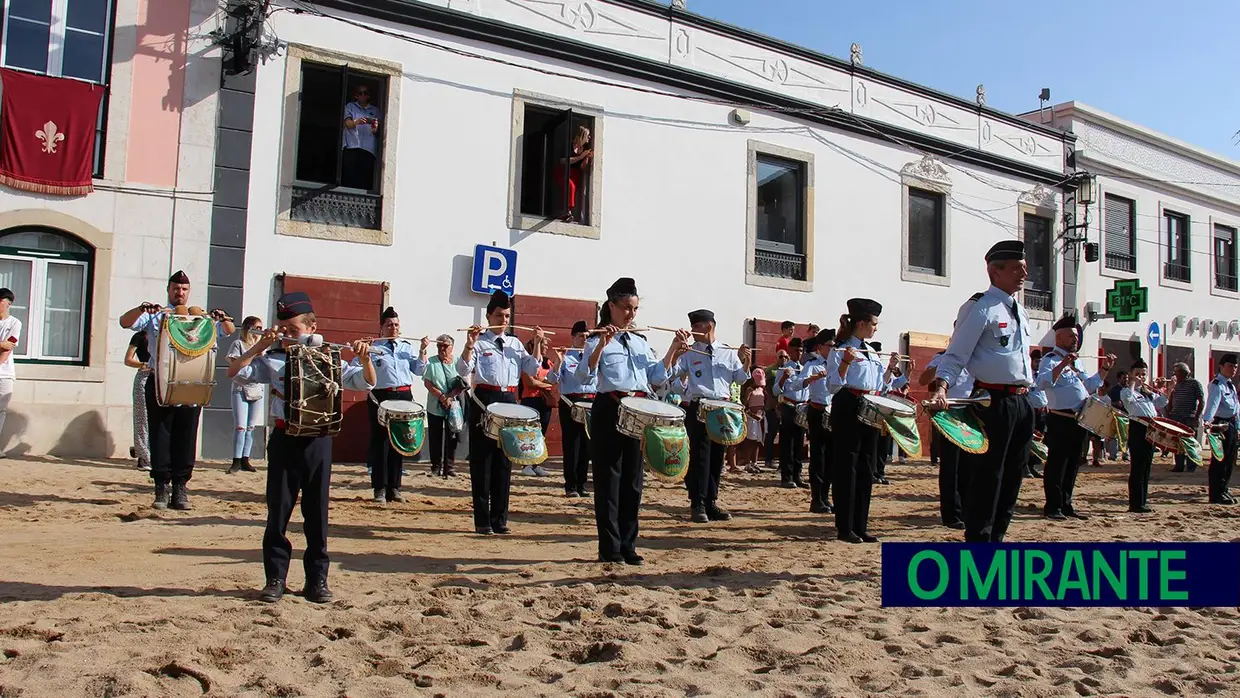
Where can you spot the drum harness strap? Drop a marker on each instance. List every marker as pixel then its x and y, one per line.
pixel 331 387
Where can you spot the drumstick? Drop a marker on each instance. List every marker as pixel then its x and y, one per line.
pixel 627 329
pixel 501 327
pixel 668 329
pixel 876 353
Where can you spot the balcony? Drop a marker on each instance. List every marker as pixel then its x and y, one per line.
pixel 783 265
pixel 1121 262
pixel 344 207
pixel 1036 299
pixel 1225 282
pixel 1174 271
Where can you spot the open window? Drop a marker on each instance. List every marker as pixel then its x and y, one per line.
pixel 50 274
pixel 557 151
pixel 780 218
pixel 340 143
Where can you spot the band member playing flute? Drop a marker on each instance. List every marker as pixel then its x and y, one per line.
pixel 812 381
pixel 1142 405
pixel 575 445
pixel 1221 413
pixel 396 363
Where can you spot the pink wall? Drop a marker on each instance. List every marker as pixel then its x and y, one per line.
pixel 158 91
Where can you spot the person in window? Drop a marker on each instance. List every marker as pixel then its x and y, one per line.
pixel 361 141
pixel 536 393
pixel 572 177
pixel 443 385
pixel 10 336
pixel 174 428
pixel 137 356
pixel 247 399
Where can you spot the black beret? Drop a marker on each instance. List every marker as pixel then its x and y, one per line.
pixel 293 304
pixel 701 316
pixel 1139 363
pixel 1006 250
pixel 810 344
pixel 1227 359
pixel 179 278
pixel 390 312
pixel 864 307
pixel 878 346
pixel 827 335
pixel 1067 322
pixel 579 327
pixel 623 287
pixel 500 300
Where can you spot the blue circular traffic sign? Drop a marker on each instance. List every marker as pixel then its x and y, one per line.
pixel 1153 335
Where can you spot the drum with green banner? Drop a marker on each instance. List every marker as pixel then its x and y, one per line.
pixel 407 437
pixel 665 450
pixel 1216 446
pixel 903 430
pixel 191 336
pixel 524 445
pixel 1121 432
pixel 961 427
pixel 1192 449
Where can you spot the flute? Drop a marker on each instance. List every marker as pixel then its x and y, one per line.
pixel 627 329
pixel 504 327
pixel 876 353
pixel 674 331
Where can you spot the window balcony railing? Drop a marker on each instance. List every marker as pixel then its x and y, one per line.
pixel 784 265
pixel 1121 262
pixel 332 206
pixel 1226 282
pixel 1036 299
pixel 1173 271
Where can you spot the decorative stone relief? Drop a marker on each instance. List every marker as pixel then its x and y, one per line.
pixel 923 113
pixel 774 70
pixel 585 17
pixel 854 54
pixel 1040 197
pixel 928 169
pixel 981 95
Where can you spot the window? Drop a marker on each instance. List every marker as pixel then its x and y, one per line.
pixel 1177 266
pixel 780 219
pixel 1038 244
pixel 925 232
pixel 50 273
pixel 62 38
pixel 1119 225
pixel 339 149
pixel 556 166
pixel 1225 257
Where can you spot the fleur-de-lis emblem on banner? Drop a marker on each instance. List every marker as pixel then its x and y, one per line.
pixel 50 135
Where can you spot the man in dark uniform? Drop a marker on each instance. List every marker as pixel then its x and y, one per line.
pixel 991 339
pixel 296 464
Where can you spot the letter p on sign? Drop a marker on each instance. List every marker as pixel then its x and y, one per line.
pixel 495 269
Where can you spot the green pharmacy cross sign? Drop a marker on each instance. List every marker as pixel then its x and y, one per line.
pixel 1127 300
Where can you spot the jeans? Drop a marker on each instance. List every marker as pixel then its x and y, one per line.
pixel 245 416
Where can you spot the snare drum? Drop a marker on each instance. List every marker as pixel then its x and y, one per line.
pixel 581 414
pixel 185 361
pixel 518 430
pixel 724 420
pixel 503 414
pixel 405 421
pixel 313 396
pixel 802 418
pixel 637 413
pixel 1166 434
pixel 1097 417
pixel 875 409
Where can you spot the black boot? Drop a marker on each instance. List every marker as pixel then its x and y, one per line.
pixel 245 465
pixel 715 513
pixel 235 467
pixel 699 514
pixel 180 497
pixel 163 495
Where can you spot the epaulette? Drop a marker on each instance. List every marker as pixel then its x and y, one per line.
pixel 976 297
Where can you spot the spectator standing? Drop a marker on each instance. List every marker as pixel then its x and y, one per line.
pixel 1186 404
pixel 138 356
pixel 361 140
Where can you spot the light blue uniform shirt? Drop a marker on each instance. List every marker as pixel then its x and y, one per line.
pixel 1140 406
pixel 792 389
pixel 991 339
pixel 710 377
pixel 867 372
pixel 1221 400
pixel 627 365
pixel 497 361
pixel 153 323
pixel 1072 389
pixel 818 392
pixel 899 382
pixel 1037 398
pixel 268 368
pixel 962 388
pixel 396 362
pixel 565 375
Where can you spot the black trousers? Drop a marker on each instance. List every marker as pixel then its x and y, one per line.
pixel 384 460
pixel 1039 426
pixel 297 464
pixel 772 431
pixel 618 479
pixel 820 457
pixel 357 168
pixel 791 440
pixel 1141 455
pixel 173 438
pixel 1065 451
pixel 995 476
pixel 442 440
pixel 490 471
pixel 1220 471
pixel 936 445
pixel 705 461
pixel 953 483
pixel 576 447
pixel 883 454
pixel 854 447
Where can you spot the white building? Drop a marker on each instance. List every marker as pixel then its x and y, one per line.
pixel 730 171
pixel 1166 214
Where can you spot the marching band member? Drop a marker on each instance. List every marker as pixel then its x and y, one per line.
pixel 791 435
pixel 813 381
pixel 396 363
pixel 1067 388
pixel 710 375
pixel 624 365
pixel 1142 405
pixel 1037 400
pixel 575 444
pixel 1221 413
pixel 991 340
pixel 851 374
pixel 296 464
pixel 953 477
pixel 495 363
pixel 173 428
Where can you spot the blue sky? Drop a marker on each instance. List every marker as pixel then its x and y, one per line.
pixel 1170 66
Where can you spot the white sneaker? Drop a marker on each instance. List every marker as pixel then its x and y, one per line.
pixel 541 471
pixel 529 470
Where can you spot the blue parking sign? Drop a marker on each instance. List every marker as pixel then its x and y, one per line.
pixel 495 269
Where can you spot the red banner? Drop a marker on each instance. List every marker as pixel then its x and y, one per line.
pixel 47 133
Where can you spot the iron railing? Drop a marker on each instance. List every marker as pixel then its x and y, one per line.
pixel 352 209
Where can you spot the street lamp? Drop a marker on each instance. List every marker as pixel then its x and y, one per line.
pixel 1085 188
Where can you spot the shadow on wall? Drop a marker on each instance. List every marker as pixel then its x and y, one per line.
pixel 15 425
pixel 86 436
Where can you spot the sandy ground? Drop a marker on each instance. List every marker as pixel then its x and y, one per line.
pixel 101 596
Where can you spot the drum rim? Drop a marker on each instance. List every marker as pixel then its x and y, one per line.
pixel 522 412
pixel 665 409
pixel 705 402
pixel 416 405
pixel 1171 426
pixel 891 402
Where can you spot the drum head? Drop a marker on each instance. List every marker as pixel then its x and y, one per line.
pixel 1173 427
pixel 400 406
pixel 720 404
pixel 511 411
pixel 890 404
pixel 654 408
